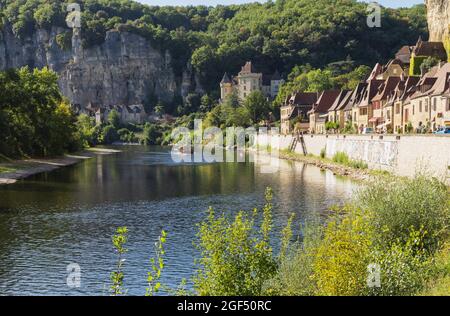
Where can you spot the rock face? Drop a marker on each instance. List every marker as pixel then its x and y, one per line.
pixel 438 12
pixel 125 69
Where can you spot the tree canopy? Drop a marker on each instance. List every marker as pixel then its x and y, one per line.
pixel 276 35
pixel 35 120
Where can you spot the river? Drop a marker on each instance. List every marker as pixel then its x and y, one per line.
pixel 68 216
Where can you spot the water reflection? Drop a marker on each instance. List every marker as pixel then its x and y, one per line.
pixel 69 215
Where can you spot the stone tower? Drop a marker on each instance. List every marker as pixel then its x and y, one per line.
pixel 226 87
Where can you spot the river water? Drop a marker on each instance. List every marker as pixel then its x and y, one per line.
pixel 68 216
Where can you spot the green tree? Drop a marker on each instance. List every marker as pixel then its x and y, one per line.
pixel 114 118
pixel 257 106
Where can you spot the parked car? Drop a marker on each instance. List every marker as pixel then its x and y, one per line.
pixel 367 130
pixel 443 130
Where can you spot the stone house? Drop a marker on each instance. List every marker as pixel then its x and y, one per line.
pixel 294 112
pixel 363 111
pixel 318 115
pixel 128 113
pixel 248 81
pixel 336 111
pixel 424 49
pixel 394 68
pixel 439 95
pixel 382 116
pixel 355 99
pixel 394 105
pixel 417 112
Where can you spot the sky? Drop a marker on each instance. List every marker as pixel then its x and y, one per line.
pixel 387 3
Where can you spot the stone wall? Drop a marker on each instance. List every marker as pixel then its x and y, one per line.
pixel 403 155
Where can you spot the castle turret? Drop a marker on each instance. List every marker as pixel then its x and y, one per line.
pixel 226 86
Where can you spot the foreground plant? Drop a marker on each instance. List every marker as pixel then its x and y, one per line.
pixel 236 256
pixel 119 240
pixel 157 264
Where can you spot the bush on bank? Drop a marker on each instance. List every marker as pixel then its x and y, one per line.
pixel 399 227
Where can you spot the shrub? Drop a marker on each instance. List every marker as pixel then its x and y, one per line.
pixel 64 40
pixel 295 271
pixel 399 205
pixel 108 135
pixel 358 164
pixel 236 256
pixel 126 135
pixel 404 267
pixel 343 255
pixel 341 158
pixel 323 153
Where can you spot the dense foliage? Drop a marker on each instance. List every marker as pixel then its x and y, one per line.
pixel 275 35
pixel 34 118
pixel 334 76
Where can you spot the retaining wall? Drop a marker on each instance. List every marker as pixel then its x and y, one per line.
pixel 402 155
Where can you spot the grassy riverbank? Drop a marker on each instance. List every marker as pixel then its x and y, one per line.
pixel 340 164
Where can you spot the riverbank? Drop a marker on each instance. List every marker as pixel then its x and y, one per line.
pixel 358 174
pixel 14 170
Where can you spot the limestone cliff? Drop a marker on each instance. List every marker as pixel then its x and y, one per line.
pixel 438 12
pixel 125 69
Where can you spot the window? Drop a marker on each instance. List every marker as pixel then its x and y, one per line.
pixel 434 104
pixel 397 109
pixel 363 111
pixel 420 107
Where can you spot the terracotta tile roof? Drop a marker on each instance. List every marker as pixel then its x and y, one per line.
pixel 434 49
pixel 386 88
pixel 369 92
pixel 304 98
pixel 404 54
pixel 423 87
pixel 377 70
pixel 442 83
pixel 345 101
pixel 356 96
pixel 325 101
pixel 343 95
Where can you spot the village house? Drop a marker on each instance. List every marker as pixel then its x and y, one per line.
pixel 363 111
pixel 417 112
pixel 294 112
pixel 396 101
pixel 248 81
pixel 336 111
pixel 390 100
pixel 127 113
pixel 440 98
pixel 423 50
pixel 318 115
pixel 355 99
pixel 394 68
pixel 381 119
